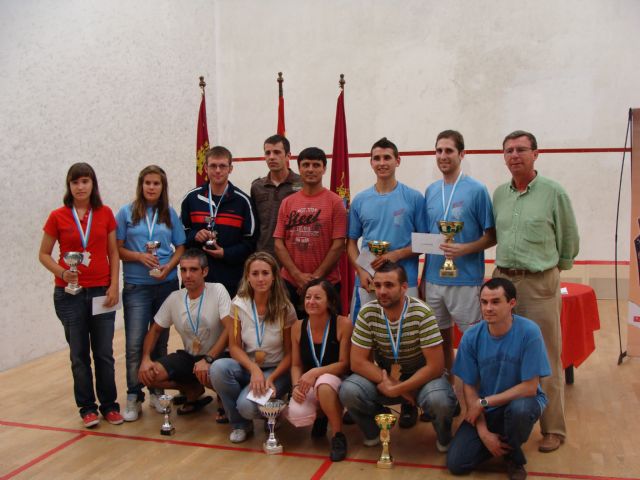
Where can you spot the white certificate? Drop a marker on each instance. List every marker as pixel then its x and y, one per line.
pixel 427 243
pixel 262 399
pixel 97 306
pixel 365 259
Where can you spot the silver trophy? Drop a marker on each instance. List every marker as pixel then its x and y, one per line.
pixel 152 248
pixel 271 410
pixel 211 243
pixel 165 402
pixel 73 259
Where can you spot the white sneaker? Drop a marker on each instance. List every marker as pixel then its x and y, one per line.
pixel 442 448
pixel 154 402
pixel 132 410
pixel 371 442
pixel 239 435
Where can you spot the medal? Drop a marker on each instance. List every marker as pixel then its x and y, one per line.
pixel 396 371
pixel 446 207
pixel 324 343
pixel 259 356
pixel 395 342
pixel 214 213
pixel 84 234
pixel 195 344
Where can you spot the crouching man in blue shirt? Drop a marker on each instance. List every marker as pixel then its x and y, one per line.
pixel 500 362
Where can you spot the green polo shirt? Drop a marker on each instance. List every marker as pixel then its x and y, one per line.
pixel 536 229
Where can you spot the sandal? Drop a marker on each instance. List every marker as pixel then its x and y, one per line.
pixel 195 406
pixel 221 416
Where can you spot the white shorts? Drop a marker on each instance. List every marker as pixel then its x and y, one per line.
pixel 454 303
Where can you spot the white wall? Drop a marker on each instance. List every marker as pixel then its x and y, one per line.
pixel 115 84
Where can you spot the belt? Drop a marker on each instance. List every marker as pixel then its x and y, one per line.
pixel 515 272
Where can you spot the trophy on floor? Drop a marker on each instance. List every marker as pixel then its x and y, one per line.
pixel 385 422
pixel 165 402
pixel 73 259
pixel 152 248
pixel 378 248
pixel 449 230
pixel 211 243
pixel 271 410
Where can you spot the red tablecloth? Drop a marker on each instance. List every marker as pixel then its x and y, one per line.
pixel 579 319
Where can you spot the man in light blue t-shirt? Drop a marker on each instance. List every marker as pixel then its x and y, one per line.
pixel 457 197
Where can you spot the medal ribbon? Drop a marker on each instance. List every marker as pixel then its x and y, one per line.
pixel 256 321
pixel 214 213
pixel 453 190
pixel 84 235
pixel 324 343
pixel 151 226
pixel 395 343
pixel 186 305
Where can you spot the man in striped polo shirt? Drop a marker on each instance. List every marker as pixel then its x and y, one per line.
pixel 396 355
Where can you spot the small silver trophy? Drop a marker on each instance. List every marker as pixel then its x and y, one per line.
pixel 271 410
pixel 165 402
pixel 73 259
pixel 152 248
pixel 211 243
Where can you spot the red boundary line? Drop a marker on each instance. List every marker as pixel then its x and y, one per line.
pixel 577 262
pixel 321 470
pixel 426 153
pixel 44 456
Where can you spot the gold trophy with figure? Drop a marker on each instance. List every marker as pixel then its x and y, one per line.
pixel 449 230
pixel 378 248
pixel 385 422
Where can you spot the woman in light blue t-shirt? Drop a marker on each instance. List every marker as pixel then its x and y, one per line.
pixel 150 240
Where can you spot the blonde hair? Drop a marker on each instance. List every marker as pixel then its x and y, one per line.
pixel 278 303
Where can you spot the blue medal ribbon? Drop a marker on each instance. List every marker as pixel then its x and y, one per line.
pixel 84 235
pixel 151 226
pixel 324 343
pixel 446 207
pixel 256 322
pixel 186 305
pixel 395 343
pixel 214 213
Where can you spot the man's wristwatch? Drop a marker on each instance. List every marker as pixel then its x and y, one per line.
pixel 208 359
pixel 484 403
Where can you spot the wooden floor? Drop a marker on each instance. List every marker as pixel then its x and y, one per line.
pixel 41 435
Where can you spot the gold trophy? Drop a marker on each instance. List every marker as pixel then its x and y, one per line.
pixel 449 230
pixel 378 248
pixel 385 422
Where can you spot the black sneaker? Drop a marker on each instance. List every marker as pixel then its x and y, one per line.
pixel 347 419
pixel 338 447
pixel 408 415
pixel 516 471
pixel 319 427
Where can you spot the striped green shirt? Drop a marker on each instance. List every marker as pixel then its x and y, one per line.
pixel 419 330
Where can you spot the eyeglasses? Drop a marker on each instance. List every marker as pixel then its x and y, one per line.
pixel 518 150
pixel 222 166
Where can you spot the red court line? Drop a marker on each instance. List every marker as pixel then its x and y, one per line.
pixel 44 456
pixel 576 262
pixel 323 468
pixel 326 465
pixel 426 153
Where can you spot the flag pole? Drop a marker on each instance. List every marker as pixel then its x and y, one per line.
pixel 202 84
pixel 342 82
pixel 280 82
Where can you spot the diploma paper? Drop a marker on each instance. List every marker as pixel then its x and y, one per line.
pixel 427 243
pixel 97 308
pixel 262 399
pixel 365 259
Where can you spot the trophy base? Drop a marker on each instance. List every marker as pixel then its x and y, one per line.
pixel 211 246
pixel 168 431
pixel 448 273
pixel 271 449
pixel 72 290
pixel 155 273
pixel 385 464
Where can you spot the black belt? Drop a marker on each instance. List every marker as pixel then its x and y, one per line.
pixel 515 272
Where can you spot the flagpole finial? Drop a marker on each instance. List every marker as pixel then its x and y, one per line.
pixel 280 82
pixel 202 84
pixel 342 81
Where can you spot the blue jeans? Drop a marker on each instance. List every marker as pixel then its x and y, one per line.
pixel 141 302
pixel 363 400
pixel 513 422
pixel 86 333
pixel 231 381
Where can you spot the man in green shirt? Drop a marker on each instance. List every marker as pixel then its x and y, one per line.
pixel 537 237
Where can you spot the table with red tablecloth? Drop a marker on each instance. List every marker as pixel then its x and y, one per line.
pixel 579 319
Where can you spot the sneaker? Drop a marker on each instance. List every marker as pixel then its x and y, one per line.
pixel 319 427
pixel 90 419
pixel 371 442
pixel 113 417
pixel 154 402
pixel 132 410
pixel 408 415
pixel 338 450
pixel 239 435
pixel 442 448
pixel 515 471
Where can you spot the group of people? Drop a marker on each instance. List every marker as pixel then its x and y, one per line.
pixel 259 310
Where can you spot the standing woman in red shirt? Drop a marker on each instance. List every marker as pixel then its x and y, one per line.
pixel 87 226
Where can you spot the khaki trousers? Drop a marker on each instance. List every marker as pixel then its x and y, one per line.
pixel 539 299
